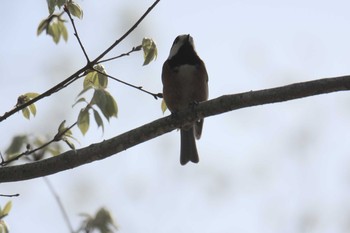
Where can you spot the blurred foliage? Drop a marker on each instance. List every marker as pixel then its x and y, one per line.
pixel 102 222
pixel 23 144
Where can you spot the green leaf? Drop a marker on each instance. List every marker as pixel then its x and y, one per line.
pixel 69 143
pixel 56 34
pixel 149 48
pixel 26 113
pixel 84 121
pixel 95 79
pixel 7 208
pixel 51 6
pixel 102 78
pixel 99 98
pixel 163 106
pixel 98 120
pixel 42 26
pixel 54 27
pixel 63 30
pixel 52 30
pixel 112 107
pixel 32 109
pixel 105 102
pixel 75 9
pixel 3 227
pixel 63 132
pixel 62 127
pixel 60 3
pixel 89 80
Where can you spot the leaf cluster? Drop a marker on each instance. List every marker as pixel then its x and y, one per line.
pixel 96 80
pixel 31 109
pixel 101 222
pixel 54 24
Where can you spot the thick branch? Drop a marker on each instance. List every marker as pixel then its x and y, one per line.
pixel 98 151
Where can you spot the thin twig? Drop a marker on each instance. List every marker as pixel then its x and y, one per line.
pixel 60 204
pixel 47 93
pixel 9 195
pixel 134 49
pixel 95 61
pixel 140 88
pixel 27 152
pixel 76 34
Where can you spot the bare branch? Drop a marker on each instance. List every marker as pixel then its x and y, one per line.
pixel 76 34
pixel 60 204
pixel 134 49
pixel 72 159
pixel 140 88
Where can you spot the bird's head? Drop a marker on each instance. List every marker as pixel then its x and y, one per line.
pixel 182 44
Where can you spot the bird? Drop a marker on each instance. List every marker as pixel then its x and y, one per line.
pixel 185 83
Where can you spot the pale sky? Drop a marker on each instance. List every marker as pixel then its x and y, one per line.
pixel 268 169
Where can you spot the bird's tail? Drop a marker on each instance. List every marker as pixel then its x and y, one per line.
pixel 188 147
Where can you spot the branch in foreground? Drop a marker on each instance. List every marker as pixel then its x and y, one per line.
pixel 140 88
pixel 98 151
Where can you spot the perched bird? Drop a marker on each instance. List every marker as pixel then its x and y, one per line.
pixel 185 82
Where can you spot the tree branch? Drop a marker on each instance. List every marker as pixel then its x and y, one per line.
pixel 97 59
pixel 98 151
pixel 76 34
pixel 78 73
pixel 140 88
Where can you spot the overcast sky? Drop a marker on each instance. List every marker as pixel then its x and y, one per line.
pixel 269 169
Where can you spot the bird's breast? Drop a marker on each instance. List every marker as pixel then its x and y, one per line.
pixel 183 85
